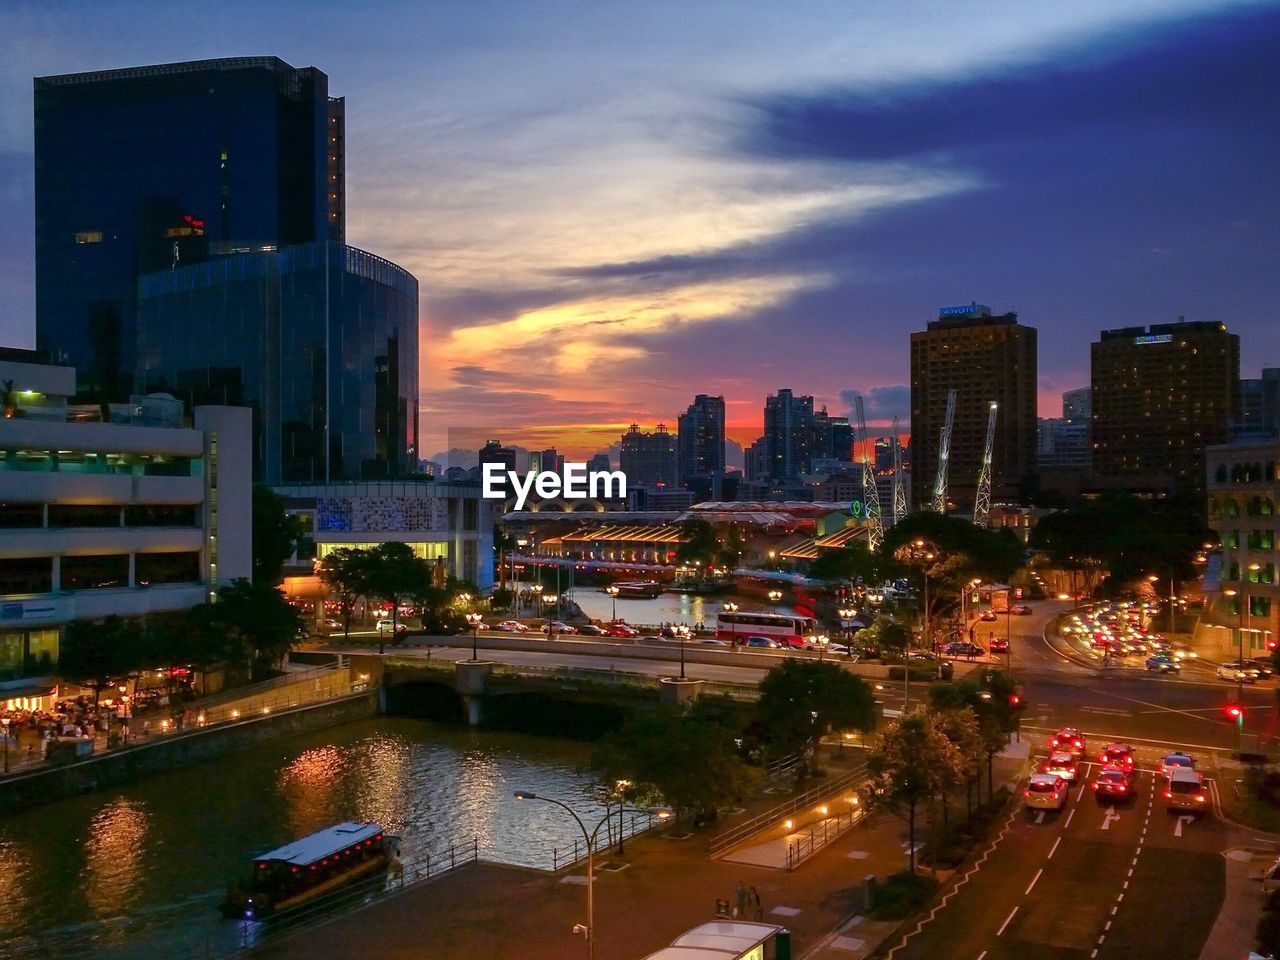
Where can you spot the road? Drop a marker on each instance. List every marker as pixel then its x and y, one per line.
pixel 1094 881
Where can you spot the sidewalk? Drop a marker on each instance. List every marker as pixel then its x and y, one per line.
pixel 664 885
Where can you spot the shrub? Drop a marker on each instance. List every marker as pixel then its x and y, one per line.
pixel 901 894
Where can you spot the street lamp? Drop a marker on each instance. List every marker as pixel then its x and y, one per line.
pixel 918 551
pixel 662 813
pixel 775 596
pixel 612 591
pixel 1232 592
pixel 5 722
pixel 549 599
pixel 474 619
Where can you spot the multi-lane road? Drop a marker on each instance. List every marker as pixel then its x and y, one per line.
pixel 1091 881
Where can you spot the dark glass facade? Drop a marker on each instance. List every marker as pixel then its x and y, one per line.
pixel 145 168
pixel 321 340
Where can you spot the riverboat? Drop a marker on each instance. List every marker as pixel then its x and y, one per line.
pixel 646 589
pixel 308 868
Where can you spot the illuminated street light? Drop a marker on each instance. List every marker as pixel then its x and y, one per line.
pixel 474 619
pixel 612 591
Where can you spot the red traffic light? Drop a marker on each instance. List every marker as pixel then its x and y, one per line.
pixel 1015 700
pixel 1233 711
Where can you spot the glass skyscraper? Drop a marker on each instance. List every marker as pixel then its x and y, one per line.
pixel 320 339
pixel 145 168
pixel 190 220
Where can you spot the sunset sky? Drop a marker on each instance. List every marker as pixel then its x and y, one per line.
pixel 611 207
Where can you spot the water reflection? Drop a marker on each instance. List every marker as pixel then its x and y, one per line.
pixel 13 886
pixel 383 785
pixel 308 786
pixel 114 852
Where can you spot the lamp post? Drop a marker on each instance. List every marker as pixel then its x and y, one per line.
pixel 612 591
pixel 662 813
pixel 847 614
pixel 548 599
pixel 775 596
pixel 1232 592
pixel 5 722
pixel 1247 606
pixel 731 608
pixel 919 551
pixel 474 619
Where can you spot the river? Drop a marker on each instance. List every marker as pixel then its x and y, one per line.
pixel 140 870
pixel 685 608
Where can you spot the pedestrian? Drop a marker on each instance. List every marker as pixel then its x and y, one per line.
pixel 757 911
pixel 741 901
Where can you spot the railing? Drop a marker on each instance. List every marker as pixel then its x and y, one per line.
pixel 823 833
pixel 637 824
pixel 735 835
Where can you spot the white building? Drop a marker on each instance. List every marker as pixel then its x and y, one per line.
pixel 130 515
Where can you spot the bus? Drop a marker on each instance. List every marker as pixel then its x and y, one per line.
pixel 729 940
pixel 788 630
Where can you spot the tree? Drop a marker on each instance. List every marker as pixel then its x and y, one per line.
pixel 93 653
pixel 855 562
pixel 910 761
pixel 687 760
pixel 259 624
pixel 275 535
pixel 345 571
pixel 393 575
pixel 700 545
pixel 887 635
pixel 800 700
pixel 993 697
pixel 960 726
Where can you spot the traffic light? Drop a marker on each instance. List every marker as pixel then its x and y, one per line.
pixel 1235 713
pixel 1015 701
pixel 1017 593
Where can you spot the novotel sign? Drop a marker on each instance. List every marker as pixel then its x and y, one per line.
pixel 968 310
pixel 1154 338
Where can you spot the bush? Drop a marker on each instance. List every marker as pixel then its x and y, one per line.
pixel 901 894
pixel 1268 931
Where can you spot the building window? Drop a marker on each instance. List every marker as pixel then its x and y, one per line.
pixel 89 236
pixel 83 515
pixel 14 516
pixel 26 575
pixel 155 515
pixel 157 568
pixel 1231 539
pixel 95 573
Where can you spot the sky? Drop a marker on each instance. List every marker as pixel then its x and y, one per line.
pixel 612 207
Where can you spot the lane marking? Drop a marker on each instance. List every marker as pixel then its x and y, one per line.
pixel 1183 818
pixel 1069 816
pixel 1055 848
pixel 1006 921
pixel 982 954
pixel 1033 881
pixel 1109 818
pixel 1039 816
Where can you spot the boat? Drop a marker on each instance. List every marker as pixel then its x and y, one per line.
pixel 647 589
pixel 310 867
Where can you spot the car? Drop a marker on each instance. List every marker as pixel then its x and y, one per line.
pixel 512 626
pixel 620 629
pixel 1044 791
pixel 765 643
pixel 711 641
pixel 988 615
pixel 1069 739
pixel 1185 790
pixel 1062 763
pixel 558 626
pixel 1020 610
pixel 1266 669
pixel 1112 784
pixel 591 630
pixel 962 648
pixel 998 645
pixel 1237 672
pixel 1117 755
pixel 386 626
pixel 1176 761
pixel 330 624
pixel 1163 663
pixel 1182 651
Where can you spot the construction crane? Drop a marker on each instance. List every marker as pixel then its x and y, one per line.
pixel 899 488
pixel 870 492
pixel 982 503
pixel 939 502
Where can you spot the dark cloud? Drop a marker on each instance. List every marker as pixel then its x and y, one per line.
pixel 881 404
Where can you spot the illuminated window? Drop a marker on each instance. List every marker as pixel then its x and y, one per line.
pixel 89 236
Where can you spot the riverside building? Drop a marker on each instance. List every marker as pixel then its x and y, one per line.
pixel 137 511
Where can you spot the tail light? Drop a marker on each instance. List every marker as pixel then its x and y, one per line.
pixel 1199 798
pixel 1168 794
pixel 1094 785
pixel 1026 793
pixel 1079 745
pixel 1121 787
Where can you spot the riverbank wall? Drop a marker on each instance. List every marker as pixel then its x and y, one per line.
pixel 129 764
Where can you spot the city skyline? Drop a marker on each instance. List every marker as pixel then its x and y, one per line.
pixel 700 217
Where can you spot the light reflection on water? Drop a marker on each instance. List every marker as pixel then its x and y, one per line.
pixel 161 852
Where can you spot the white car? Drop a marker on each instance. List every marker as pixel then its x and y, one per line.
pixel 1045 791
pixel 512 626
pixel 1238 672
pixel 386 626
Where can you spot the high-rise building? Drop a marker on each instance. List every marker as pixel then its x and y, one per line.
pixel 494 452
pixel 1062 444
pixel 789 432
pixel 599 461
pixel 1160 396
pixel 984 358
pixel 1260 405
pixel 1077 404
pixel 146 168
pixel 548 461
pixel 648 458
pixel 700 433
pixel 755 464
pixel 189 220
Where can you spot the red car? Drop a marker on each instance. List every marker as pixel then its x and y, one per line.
pixel 1118 755
pixel 620 629
pixel 998 645
pixel 1113 784
pixel 1069 739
